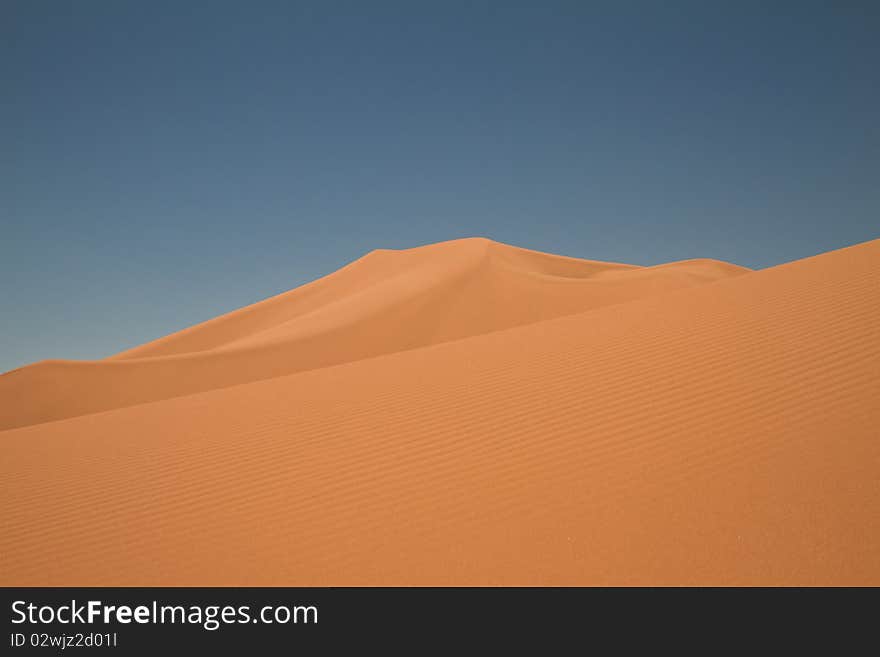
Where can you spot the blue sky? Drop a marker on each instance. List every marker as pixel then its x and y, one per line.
pixel 165 162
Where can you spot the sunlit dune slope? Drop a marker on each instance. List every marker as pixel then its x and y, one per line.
pixel 724 433
pixel 385 302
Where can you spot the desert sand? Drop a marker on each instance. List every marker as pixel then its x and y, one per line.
pixel 469 413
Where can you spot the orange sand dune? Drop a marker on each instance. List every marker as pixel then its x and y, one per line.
pixel 473 414
pixel 385 302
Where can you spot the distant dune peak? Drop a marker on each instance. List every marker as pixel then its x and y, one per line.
pixel 387 301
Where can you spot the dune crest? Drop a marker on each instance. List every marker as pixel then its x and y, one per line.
pixel 385 302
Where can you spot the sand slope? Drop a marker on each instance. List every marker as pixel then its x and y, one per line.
pixel 385 302
pixel 720 433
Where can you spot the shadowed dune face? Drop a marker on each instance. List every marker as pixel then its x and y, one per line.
pixel 716 426
pixel 385 302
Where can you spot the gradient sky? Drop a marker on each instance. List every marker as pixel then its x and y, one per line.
pixel 165 162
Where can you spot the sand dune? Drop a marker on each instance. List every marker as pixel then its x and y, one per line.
pixel 469 413
pixel 385 302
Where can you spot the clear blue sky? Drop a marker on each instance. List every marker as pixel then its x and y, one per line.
pixel 165 162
